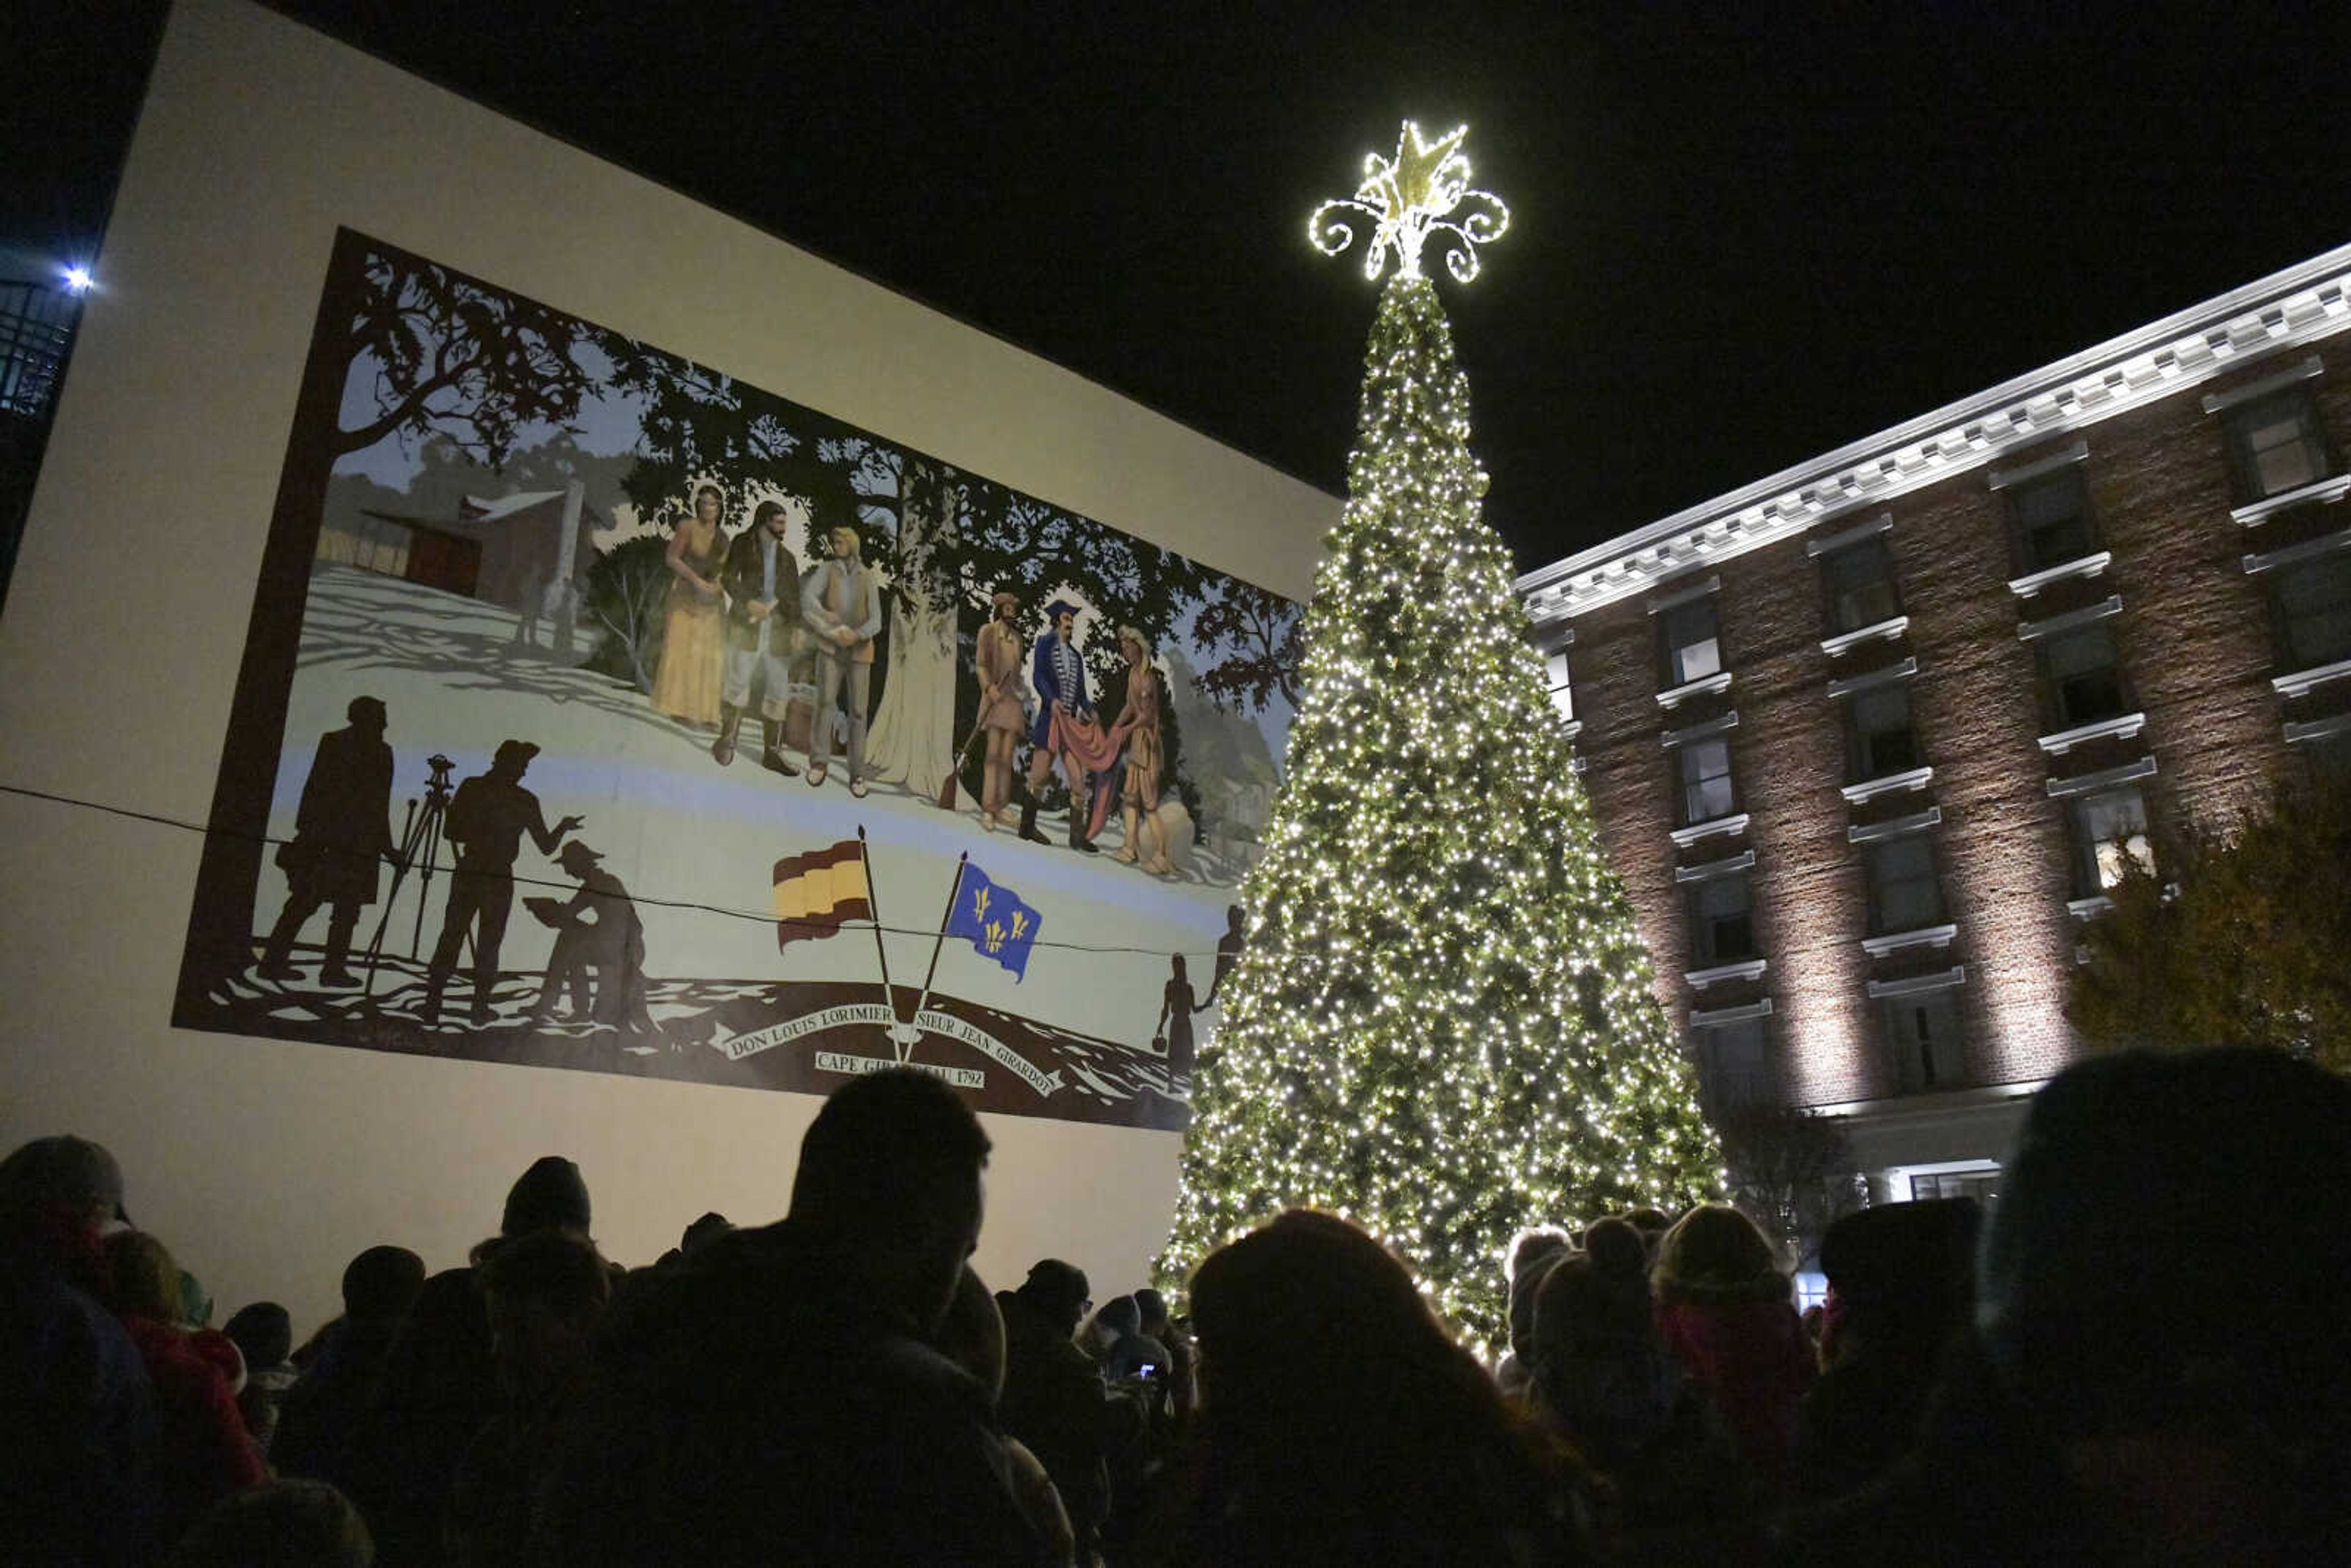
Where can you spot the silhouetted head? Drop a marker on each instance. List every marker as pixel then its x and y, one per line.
pixel 1714 1254
pixel 61 1180
pixel 263 1333
pixel 367 713
pixel 143 1279
pixel 1176 965
pixel 1331 1395
pixel 704 1231
pixel 1533 1252
pixel 1153 1307
pixel 1058 1292
pixel 1902 1276
pixel 1593 1303
pixel 381 1284
pixel 512 759
pixel 2164 1279
pixel 889 1173
pixel 551 1194
pixel 577 858
pixel 1120 1316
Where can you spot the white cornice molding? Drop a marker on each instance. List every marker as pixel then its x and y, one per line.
pixel 1887 784
pixel 1957 975
pixel 1902 670
pixel 2317 493
pixel 1747 969
pixel 1719 827
pixel 2300 305
pixel 2033 582
pixel 1730 865
pixel 2120 727
pixel 1896 941
pixel 2302 683
pixel 2294 555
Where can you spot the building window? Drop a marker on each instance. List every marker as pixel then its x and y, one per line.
pixel 1982 1186
pixel 2276 443
pixel 1922 1035
pixel 2052 516
pixel 1562 693
pixel 2109 832
pixel 2077 671
pixel 1858 583
pixel 1880 739
pixel 1734 1064
pixel 1705 781
pixel 1903 895
pixel 2314 607
pixel 1692 641
pixel 1722 922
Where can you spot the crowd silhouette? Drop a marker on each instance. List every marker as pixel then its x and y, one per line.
pixel 2137 1357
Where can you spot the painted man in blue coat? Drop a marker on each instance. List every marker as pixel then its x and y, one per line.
pixel 1065 726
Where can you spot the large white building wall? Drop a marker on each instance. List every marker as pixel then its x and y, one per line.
pixel 264 1163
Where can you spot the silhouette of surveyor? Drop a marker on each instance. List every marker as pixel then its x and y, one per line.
pixel 1228 951
pixel 341 830
pixel 597 930
pixel 487 818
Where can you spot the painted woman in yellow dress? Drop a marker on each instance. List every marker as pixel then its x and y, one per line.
pixel 694 634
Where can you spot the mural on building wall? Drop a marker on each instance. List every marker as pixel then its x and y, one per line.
pixel 601 711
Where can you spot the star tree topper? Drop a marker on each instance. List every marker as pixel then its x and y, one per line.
pixel 1409 197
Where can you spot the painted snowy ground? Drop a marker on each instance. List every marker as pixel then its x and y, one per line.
pixel 695 843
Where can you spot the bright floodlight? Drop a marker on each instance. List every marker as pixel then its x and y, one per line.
pixel 77 278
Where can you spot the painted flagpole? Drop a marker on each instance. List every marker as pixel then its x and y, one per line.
pixel 955 891
pixel 873 903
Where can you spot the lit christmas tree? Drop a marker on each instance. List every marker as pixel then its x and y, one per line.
pixel 1443 1024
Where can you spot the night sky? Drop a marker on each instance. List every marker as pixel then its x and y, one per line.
pixel 1742 235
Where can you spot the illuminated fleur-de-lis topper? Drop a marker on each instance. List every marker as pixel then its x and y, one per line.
pixel 1423 190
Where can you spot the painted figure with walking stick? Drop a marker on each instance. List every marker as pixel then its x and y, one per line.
pixel 1002 714
pixel 341 829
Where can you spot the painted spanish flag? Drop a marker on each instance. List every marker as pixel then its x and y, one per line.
pixel 816 892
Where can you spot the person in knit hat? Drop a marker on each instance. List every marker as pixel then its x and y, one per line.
pixel 1605 1381
pixel 1053 1398
pixel 1533 1252
pixel 1901 1282
pixel 78 1424
pixel 550 1196
pixel 1725 1313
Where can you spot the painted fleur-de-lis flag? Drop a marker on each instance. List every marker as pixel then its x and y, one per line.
pixel 995 919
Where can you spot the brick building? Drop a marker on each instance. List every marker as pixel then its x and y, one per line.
pixel 1867 738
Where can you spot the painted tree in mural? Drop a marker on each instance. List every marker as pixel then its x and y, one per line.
pixel 447 356
pixel 1443 1024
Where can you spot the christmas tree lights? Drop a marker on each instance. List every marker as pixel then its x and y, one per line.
pixel 1443 1026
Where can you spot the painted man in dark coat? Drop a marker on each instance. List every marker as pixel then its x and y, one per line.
pixel 759 575
pixel 486 821
pixel 341 829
